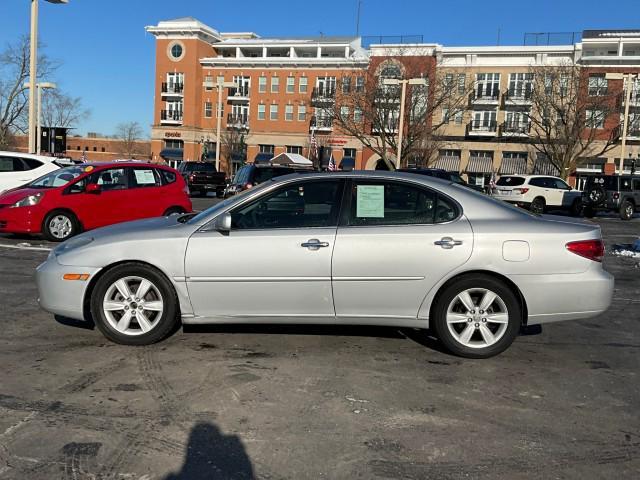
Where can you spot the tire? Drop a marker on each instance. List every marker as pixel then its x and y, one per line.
pixel 537 206
pixel 60 225
pixel 576 208
pixel 506 313
pixel 597 195
pixel 588 212
pixel 160 317
pixel 627 209
pixel 173 211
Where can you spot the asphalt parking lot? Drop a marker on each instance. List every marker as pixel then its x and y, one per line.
pixel 274 402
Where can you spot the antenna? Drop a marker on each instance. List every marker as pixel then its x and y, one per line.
pixel 498 43
pixel 358 19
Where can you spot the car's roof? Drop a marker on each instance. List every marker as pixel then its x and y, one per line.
pixel 120 163
pixel 530 176
pixel 42 158
pixel 367 174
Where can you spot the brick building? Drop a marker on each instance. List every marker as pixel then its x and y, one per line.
pixel 285 85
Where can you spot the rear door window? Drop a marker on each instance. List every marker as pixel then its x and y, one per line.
pixel 168 175
pixel 264 174
pixel 393 203
pixel 510 181
pixel 145 177
pixel 31 163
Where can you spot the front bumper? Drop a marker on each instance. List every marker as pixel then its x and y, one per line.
pixel 20 220
pixel 58 296
pixel 553 298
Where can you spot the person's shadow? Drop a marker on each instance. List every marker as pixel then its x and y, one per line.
pixel 211 455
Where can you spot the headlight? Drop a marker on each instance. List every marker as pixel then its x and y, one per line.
pixel 72 244
pixel 29 201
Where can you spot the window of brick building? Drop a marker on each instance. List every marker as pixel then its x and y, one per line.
pixel 262 111
pixel 291 84
pixel 302 84
pixel 262 84
pixel 288 112
pixel 273 112
pixel 275 84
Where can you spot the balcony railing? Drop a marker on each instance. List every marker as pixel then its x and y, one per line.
pixel 482 127
pixel 171 115
pixel 485 97
pixel 598 91
pixel 320 123
pixel 633 131
pixel 238 120
pixel 173 88
pixel 389 126
pixel 323 95
pixel 518 95
pixel 239 93
pixel 515 128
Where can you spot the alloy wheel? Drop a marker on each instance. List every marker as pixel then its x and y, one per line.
pixel 60 226
pixel 477 318
pixel 133 305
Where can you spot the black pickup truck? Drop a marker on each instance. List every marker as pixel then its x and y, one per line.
pixel 202 177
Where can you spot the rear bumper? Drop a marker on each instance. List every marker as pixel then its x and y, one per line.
pixel 553 298
pixel 20 220
pixel 58 296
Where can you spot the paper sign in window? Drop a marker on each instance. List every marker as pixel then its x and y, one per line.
pixel 145 177
pixel 370 201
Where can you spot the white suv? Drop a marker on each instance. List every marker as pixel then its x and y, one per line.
pixel 538 193
pixel 17 169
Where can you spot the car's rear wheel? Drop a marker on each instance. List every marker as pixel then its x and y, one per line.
pixel 576 207
pixel 60 225
pixel 627 210
pixel 173 211
pixel 537 206
pixel 477 316
pixel 134 304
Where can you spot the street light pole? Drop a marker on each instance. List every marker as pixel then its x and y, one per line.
pixel 629 81
pixel 38 96
pixel 33 70
pixel 219 85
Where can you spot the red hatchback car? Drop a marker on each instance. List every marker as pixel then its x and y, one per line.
pixel 72 199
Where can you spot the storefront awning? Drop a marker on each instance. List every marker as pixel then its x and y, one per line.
pixel 543 166
pixel 450 164
pixel 513 166
pixel 480 165
pixel 172 154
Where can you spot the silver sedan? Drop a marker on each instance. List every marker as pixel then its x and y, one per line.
pixel 365 248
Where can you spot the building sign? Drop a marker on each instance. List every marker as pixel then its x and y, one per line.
pixel 172 134
pixel 337 141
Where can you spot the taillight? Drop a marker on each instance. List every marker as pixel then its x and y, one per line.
pixel 591 249
pixel 521 191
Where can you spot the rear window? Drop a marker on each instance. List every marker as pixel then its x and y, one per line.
pixel 264 174
pixel 510 181
pixel 168 176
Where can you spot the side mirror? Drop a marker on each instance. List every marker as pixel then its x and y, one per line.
pixel 222 224
pixel 93 188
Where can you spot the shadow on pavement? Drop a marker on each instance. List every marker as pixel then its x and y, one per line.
pixel 212 455
pixel 279 329
pixel 70 322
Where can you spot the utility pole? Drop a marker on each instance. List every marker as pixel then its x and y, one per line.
pixel 358 19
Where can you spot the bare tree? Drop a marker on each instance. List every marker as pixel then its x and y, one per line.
pixel 129 134
pixel 14 97
pixel 370 111
pixel 572 117
pixel 61 110
pixel 233 142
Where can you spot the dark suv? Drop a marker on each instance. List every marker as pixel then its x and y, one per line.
pixel 252 175
pixel 612 193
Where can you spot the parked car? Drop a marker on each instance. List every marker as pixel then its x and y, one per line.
pixel 538 193
pixel 17 169
pixel 443 174
pixel 249 176
pixel 612 193
pixel 361 248
pixel 202 177
pixel 72 199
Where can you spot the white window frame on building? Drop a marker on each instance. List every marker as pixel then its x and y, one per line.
pixel 359 88
pixel 263 148
pixel 262 84
pixel 240 113
pixel 244 85
pixel 303 84
pixel 262 111
pixel 174 78
pixel 598 85
pixel 302 113
pixel 326 86
pixel 485 121
pixel 294 149
pixel 357 114
pixel 208 81
pixel 291 84
pixel 288 113
pixel 208 109
pixel 275 84
pixel 345 85
pixel 273 111
pixel 595 119
pixel 487 85
pixel 520 85
pixel 344 113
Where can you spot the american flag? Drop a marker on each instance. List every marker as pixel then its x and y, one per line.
pixel 84 156
pixel 492 182
pixel 332 164
pixel 314 146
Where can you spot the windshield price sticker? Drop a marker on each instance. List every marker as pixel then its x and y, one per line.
pixel 370 201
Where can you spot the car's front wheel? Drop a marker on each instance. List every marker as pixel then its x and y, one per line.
pixel 627 210
pixel 477 316
pixel 537 206
pixel 59 226
pixel 134 304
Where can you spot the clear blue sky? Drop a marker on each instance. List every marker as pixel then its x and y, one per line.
pixel 108 59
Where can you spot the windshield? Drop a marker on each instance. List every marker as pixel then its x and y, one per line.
pixel 205 214
pixel 57 178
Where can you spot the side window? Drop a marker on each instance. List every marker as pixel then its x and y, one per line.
pixel 559 184
pixel 636 184
pixel 77 187
pixel 536 182
pixel 169 176
pixel 391 203
pixel 625 184
pixel 18 165
pixel 6 164
pixel 301 205
pixel 111 179
pixel 31 163
pixel 145 177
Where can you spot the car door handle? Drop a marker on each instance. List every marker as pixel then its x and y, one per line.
pixel 447 242
pixel 314 244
